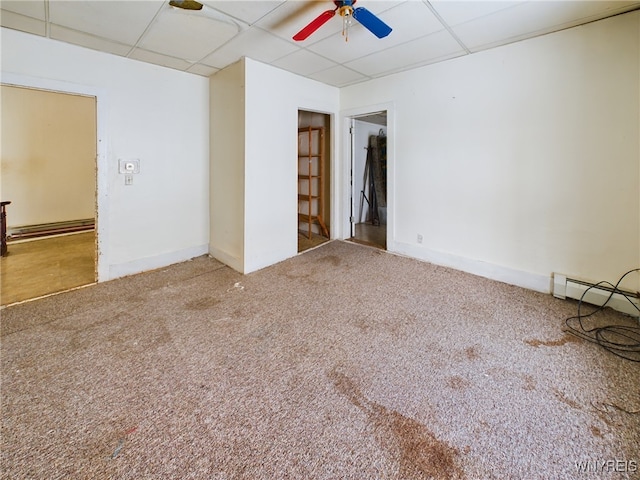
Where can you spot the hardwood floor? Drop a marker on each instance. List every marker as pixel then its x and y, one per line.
pixel 374 235
pixel 305 243
pixel 40 267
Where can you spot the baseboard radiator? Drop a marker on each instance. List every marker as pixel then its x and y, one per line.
pixel 47 229
pixel 565 287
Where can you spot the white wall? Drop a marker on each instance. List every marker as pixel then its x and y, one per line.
pixel 273 98
pixel 155 114
pixel 522 160
pixel 254 162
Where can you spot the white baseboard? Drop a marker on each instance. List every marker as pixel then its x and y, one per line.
pixel 151 263
pixel 249 264
pixel 234 262
pixel 528 280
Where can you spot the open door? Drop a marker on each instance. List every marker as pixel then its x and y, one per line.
pixel 49 155
pixel 369 179
pixel 314 173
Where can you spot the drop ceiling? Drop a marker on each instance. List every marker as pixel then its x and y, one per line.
pixel 204 41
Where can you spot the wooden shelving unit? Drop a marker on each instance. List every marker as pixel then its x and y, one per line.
pixel 311 179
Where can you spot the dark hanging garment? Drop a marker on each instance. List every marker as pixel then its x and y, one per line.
pixel 377 152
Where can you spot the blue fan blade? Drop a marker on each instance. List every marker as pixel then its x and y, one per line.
pixel 371 22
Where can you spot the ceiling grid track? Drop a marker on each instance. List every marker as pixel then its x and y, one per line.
pixel 446 26
pixel 47 22
pixel 384 37
pixel 141 37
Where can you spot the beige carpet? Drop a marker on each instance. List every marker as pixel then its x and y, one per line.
pixel 344 362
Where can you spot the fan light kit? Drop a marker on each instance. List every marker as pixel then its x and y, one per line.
pixel 346 10
pixel 186 4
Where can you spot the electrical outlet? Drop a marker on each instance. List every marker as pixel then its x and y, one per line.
pixel 419 238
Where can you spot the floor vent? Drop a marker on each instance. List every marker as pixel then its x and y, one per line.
pixel 564 287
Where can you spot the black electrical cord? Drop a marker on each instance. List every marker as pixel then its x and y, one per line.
pixel 621 340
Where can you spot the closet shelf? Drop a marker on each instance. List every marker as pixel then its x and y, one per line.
pixel 310 179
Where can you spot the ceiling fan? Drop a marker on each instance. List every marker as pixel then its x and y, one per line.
pixel 347 12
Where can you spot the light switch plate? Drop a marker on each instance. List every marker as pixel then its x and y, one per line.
pixel 128 165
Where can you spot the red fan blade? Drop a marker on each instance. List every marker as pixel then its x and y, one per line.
pixel 323 18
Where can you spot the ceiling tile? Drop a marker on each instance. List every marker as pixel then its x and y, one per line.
pixel 411 20
pixel 416 52
pixel 185 34
pixel 157 59
pixel 122 21
pixel 225 30
pixel 33 9
pixel 359 44
pixel 303 62
pixel 454 13
pixel 254 43
pixel 379 6
pixel 530 19
pixel 22 23
pixel 247 11
pixel 203 70
pixel 89 41
pixel 338 76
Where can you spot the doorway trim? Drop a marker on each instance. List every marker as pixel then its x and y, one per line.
pixel 335 213
pixel 346 188
pixel 327 181
pixel 102 197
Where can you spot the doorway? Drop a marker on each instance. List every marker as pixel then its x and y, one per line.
pixel 314 175
pixel 369 179
pixel 49 165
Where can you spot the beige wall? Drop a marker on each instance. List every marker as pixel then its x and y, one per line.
pixel 155 114
pixel 227 171
pixel 48 156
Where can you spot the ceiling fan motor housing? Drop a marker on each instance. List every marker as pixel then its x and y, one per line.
pixel 345 10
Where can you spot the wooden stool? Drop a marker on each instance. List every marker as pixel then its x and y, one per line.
pixel 3 230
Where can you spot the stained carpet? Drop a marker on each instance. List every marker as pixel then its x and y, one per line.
pixel 343 362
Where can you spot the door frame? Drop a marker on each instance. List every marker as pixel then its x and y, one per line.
pixel 347 194
pixel 102 198
pixel 331 157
